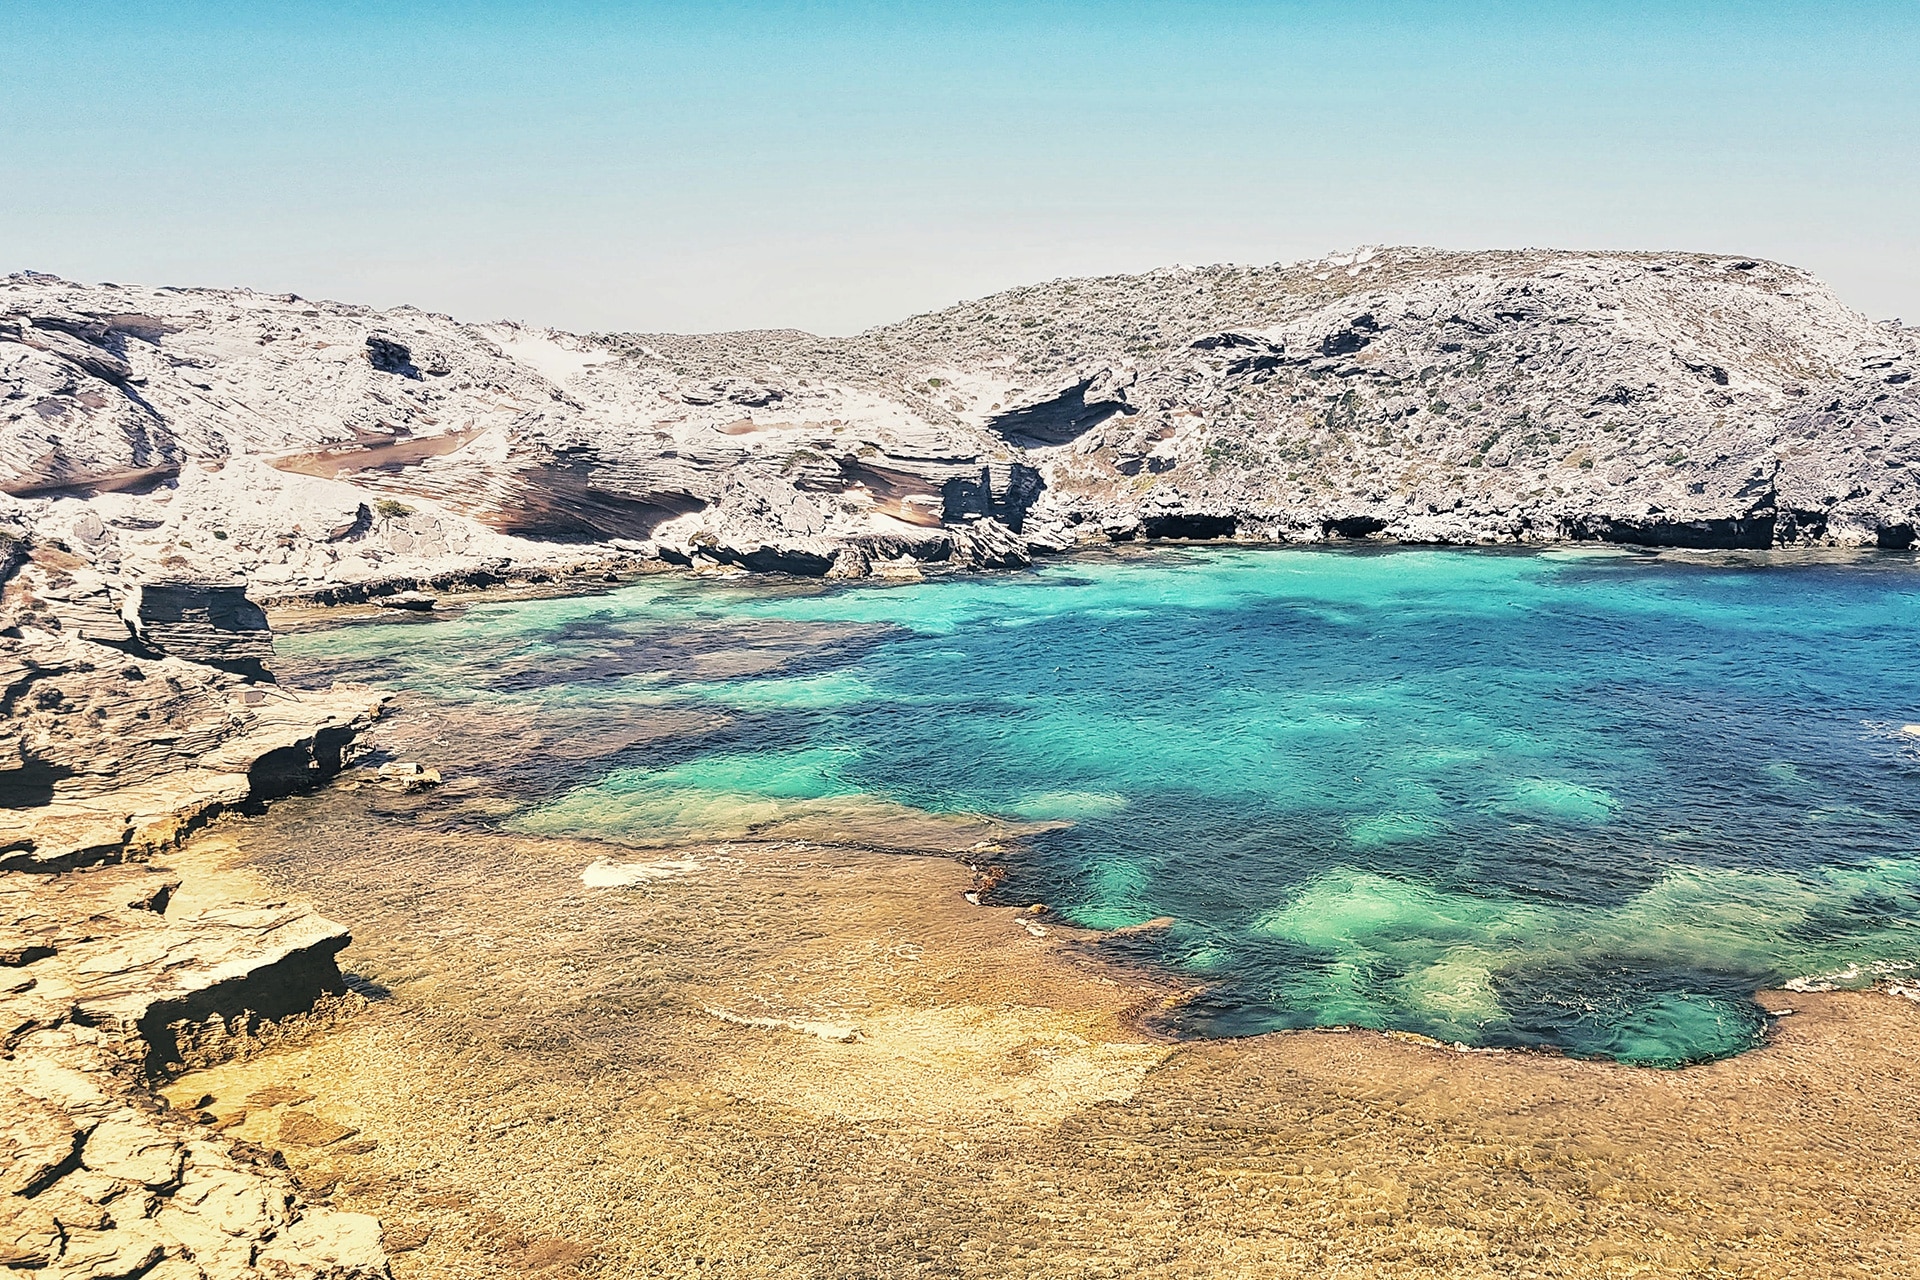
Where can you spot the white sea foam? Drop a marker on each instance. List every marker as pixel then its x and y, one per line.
pixel 1856 976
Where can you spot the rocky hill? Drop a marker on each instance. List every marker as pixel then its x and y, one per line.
pixel 300 446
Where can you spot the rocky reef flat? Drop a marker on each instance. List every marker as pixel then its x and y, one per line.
pixel 808 1051
pixel 780 1057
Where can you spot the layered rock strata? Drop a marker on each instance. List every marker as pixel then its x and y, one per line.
pixel 114 742
pixel 101 986
pixel 310 448
pixel 134 711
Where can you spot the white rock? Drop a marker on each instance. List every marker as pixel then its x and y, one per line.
pixel 604 873
pixel 136 1152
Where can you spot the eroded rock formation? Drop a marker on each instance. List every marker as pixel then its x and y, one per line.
pixel 132 712
pixel 310 447
pixel 102 986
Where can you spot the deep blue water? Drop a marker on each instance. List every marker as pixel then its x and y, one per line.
pixel 1588 801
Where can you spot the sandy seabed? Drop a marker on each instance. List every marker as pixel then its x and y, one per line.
pixel 796 1056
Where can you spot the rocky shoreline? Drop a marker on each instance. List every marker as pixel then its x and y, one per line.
pixel 323 451
pixel 134 716
pixel 171 1110
pixel 171 461
pixel 802 1056
pixel 110 986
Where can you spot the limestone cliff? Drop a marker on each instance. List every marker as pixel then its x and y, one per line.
pixel 1667 399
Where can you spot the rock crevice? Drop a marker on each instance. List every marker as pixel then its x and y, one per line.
pixel 103 989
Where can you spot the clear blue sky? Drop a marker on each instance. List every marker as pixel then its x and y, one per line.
pixel 835 165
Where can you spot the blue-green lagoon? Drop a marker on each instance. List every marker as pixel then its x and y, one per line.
pixel 1586 800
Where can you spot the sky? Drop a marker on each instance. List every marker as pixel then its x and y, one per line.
pixel 832 166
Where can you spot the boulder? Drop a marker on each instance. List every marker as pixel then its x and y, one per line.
pixel 212 624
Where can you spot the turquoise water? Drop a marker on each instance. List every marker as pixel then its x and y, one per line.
pixel 1587 801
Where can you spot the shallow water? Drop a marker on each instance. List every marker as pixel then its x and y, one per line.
pixel 1589 801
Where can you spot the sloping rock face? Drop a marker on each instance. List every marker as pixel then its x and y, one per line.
pixel 211 623
pixel 1686 402
pixel 1665 399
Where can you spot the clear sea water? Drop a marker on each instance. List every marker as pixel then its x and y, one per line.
pixel 1588 801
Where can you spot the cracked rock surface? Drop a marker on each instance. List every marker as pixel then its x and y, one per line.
pixel 134 714
pixel 105 977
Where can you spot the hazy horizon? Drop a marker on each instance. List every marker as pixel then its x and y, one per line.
pixel 835 166
pixel 934 308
